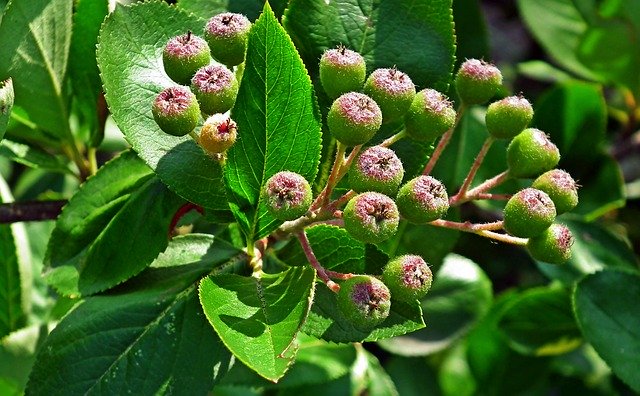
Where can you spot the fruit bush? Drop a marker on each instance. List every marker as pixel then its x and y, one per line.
pixel 318 197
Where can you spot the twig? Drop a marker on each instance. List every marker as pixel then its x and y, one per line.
pixel 30 211
pixel 442 144
pixel 473 170
pixel 311 257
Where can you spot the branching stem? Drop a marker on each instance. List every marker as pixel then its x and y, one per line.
pixel 462 193
pixel 442 144
pixel 311 257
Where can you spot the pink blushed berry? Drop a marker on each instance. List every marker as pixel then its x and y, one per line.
pixel 422 200
pixel 216 88
pixel 218 134
pixel 430 115
pixel 371 217
pixel 341 70
pixel 176 110
pixel 553 245
pixel 477 81
pixel 227 35
pixel 365 301
pixel 393 90
pixel 354 118
pixel 528 213
pixel 408 277
pixel 376 169
pixel 183 55
pixel 287 195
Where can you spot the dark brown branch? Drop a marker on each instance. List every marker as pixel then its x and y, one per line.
pixel 30 211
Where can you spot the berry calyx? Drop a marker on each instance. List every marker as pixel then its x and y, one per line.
pixel 508 117
pixel 341 70
pixel 528 213
pixel 365 301
pixel 477 81
pixel 183 56
pixel 287 195
pixel 216 88
pixel 393 90
pixel 422 200
pixel 408 277
pixel 371 217
pixel 553 246
pixel 531 153
pixel 430 115
pixel 218 134
pixel 227 35
pixel 376 169
pixel 354 118
pixel 176 110
pixel 560 187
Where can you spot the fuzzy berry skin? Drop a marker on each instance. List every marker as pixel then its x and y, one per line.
pixel 183 56
pixel 430 115
pixel 365 301
pixel 408 277
pixel 354 118
pixel 371 217
pixel 528 213
pixel 341 70
pixel 508 117
pixel 560 187
pixel 216 88
pixel 477 81
pixel 531 153
pixel 376 169
pixel 287 195
pixel 422 200
pixel 227 35
pixel 176 110
pixel 553 246
pixel 218 134
pixel 393 90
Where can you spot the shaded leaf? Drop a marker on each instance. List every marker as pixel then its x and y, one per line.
pixel 32 157
pixel 6 104
pixel 205 9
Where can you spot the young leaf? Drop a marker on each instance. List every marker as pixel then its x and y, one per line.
pixel 278 124
pixel 258 318
pixel 6 103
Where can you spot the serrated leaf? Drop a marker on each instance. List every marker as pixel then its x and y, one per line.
pixel 122 206
pixel 6 104
pixel 258 318
pixel 278 124
pixel 32 157
pixel 130 60
pixel 205 9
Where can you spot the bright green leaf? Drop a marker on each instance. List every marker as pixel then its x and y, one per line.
pixel 6 104
pixel 32 157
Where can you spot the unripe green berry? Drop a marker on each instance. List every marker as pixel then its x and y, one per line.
pixel 477 81
pixel 531 153
pixel 430 115
pixel 408 277
pixel 422 200
pixel 393 90
pixel 371 217
pixel 227 35
pixel 552 246
pixel 176 110
pixel 376 169
pixel 183 56
pixel 287 195
pixel 528 213
pixel 508 117
pixel 354 118
pixel 216 88
pixel 365 301
pixel 218 134
pixel 560 187
pixel 341 71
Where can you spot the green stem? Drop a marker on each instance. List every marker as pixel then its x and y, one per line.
pixel 394 138
pixel 93 162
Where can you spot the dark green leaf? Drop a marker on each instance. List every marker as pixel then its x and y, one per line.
pixel 32 157
pixel 6 104
pixel 278 122
pixel 606 305
pixel 412 376
pixel 205 9
pixel 258 318
pixel 472 38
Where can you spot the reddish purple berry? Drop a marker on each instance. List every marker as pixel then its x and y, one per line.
pixel 376 169
pixel 176 110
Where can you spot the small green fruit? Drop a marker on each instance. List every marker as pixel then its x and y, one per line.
pixel 393 90
pixel 365 301
pixel 287 195
pixel 552 246
pixel 216 88
pixel 508 117
pixel 354 118
pixel 183 56
pixel 376 169
pixel 422 200
pixel 528 213
pixel 371 217
pixel 218 134
pixel 227 35
pixel 341 71
pixel 531 153
pixel 176 110
pixel 477 81
pixel 430 115
pixel 560 187
pixel 408 277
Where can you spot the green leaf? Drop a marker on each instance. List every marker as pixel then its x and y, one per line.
pixel 36 57
pixel 412 376
pixel 472 37
pixel 606 306
pixel 17 354
pixel 147 337
pixel 461 295
pixel 278 122
pixel 123 205
pixel 258 318
pixel 540 322
pixel 32 157
pixel 6 104
pixel 130 60
pixel 205 9
pixel 417 37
